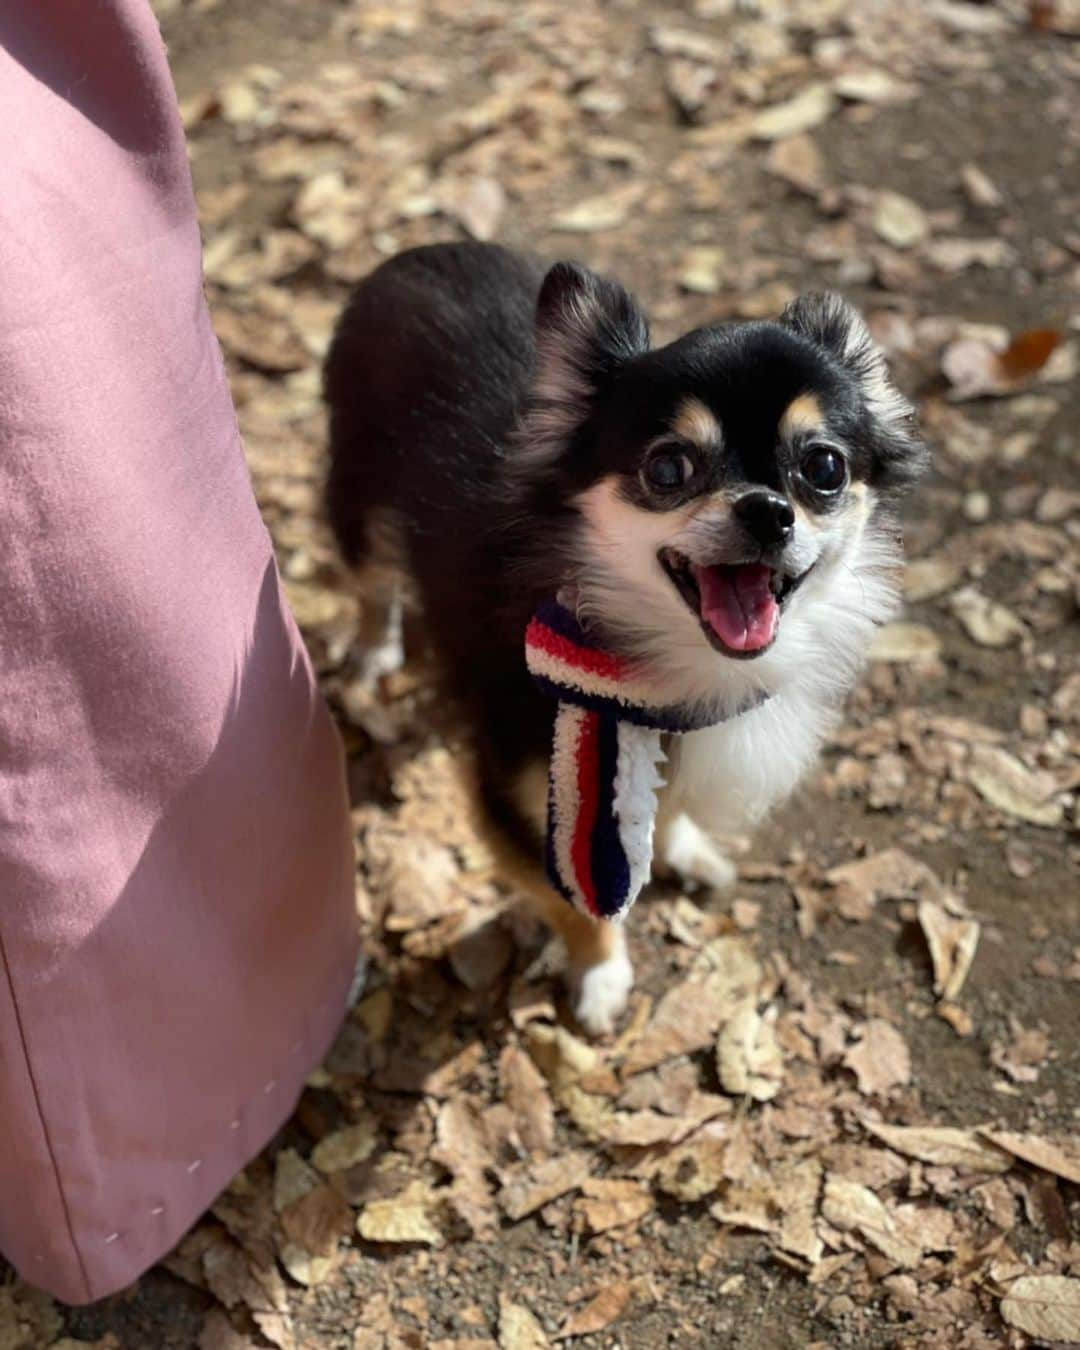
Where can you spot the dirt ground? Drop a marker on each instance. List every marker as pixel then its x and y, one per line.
pixel 844 1108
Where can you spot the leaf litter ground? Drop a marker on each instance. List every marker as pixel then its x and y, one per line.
pixel 844 1106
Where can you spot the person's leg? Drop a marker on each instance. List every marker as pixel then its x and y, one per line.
pixel 177 933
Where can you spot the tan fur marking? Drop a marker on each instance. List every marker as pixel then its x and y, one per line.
pixel 696 424
pixel 802 414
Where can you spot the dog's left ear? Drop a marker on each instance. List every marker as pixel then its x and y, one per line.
pixel 827 319
pixel 586 327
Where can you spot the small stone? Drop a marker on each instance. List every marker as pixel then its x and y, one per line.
pixel 984 620
pixel 806 110
pixel 904 642
pixel 899 221
pixel 702 270
pixel 798 161
pixel 980 188
pixel 977 507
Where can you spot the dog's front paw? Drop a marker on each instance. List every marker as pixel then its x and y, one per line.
pixel 600 992
pixel 693 856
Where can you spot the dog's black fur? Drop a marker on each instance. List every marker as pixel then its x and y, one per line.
pixel 424 380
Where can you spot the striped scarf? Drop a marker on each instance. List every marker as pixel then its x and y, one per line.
pixel 604 764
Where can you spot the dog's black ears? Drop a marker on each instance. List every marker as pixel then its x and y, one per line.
pixel 589 320
pixel 827 319
pixel 586 326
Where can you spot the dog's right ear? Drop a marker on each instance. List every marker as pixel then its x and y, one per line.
pixel 586 326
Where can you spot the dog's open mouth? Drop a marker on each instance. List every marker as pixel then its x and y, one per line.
pixel 737 604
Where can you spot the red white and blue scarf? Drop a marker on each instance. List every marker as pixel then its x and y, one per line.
pixel 604 764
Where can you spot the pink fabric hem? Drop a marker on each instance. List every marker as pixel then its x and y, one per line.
pixel 124 1246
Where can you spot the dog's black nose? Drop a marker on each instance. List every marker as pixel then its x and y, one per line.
pixel 767 516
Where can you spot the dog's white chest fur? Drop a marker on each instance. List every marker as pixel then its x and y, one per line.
pixel 729 776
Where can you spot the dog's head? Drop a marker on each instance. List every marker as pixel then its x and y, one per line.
pixel 727 494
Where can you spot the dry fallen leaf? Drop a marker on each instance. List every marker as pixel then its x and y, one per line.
pixel 236 1281
pixel 956 255
pixel 599 1313
pixel 942 1145
pixel 689 84
pixel 685 42
pixel 854 1208
pixel 562 1057
pixel 293 1178
pixel 697 1167
pixel 518 1328
pixel 980 188
pixel 798 161
pixel 405 1217
pixel 871 85
pixel 461 1148
pixel 688 1017
pixel 808 109
pixel 889 875
pixel 880 1059
pixel 478 203
pixel 1021 1057
pixel 899 221
pixel 670 1088
pixel 481 951
pixel 299 1264
pixel 952 944
pixel 603 212
pixel 530 1187
pixel 1044 1306
pixel 797 1188
pixel 317 1221
pixel 925 578
pixel 419 875
pixel 328 211
pixel 1060 1156
pixel 900 643
pixel 1011 787
pixel 524 1090
pixel 977 369
pixel 748 1055
pixel 639 1129
pixel 1028 352
pixel 612 1204
pixel 217 1333
pixel 702 270
pixel 261 340
pixel 345 1148
pixel 986 622
pixel 749 1202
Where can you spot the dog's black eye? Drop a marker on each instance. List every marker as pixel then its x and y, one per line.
pixel 824 468
pixel 668 469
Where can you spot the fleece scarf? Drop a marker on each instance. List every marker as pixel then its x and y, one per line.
pixel 604 764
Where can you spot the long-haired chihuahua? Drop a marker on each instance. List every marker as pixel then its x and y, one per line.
pixel 719 510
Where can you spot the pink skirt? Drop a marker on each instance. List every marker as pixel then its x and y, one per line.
pixel 177 929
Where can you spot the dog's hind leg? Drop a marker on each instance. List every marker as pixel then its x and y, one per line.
pixel 383 586
pixel 380 642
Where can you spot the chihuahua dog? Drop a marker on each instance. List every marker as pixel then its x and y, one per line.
pixel 720 509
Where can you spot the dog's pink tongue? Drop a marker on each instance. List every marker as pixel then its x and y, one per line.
pixel 738 605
